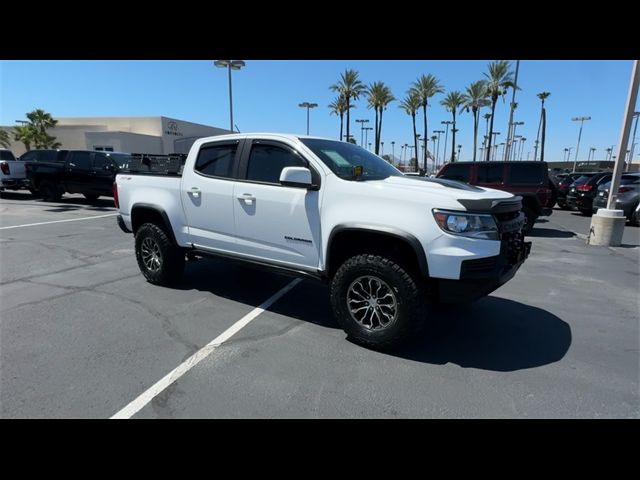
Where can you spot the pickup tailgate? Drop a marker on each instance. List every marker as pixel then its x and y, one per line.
pixel 12 169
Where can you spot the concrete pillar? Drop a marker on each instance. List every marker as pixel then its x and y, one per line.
pixel 607 227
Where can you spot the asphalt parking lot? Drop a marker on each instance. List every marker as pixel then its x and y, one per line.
pixel 82 334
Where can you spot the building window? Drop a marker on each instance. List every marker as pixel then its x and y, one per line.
pixel 102 148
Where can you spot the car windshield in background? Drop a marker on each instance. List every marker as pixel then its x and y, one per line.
pixel 6 155
pixel 583 178
pixel 341 157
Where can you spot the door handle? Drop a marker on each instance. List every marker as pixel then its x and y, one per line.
pixel 195 192
pixel 247 198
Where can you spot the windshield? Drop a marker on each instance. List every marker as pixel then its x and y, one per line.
pixel 341 157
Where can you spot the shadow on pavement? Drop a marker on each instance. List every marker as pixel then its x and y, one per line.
pixel 102 204
pixel 550 233
pixel 491 334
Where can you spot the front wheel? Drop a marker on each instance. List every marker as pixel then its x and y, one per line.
pixel 159 259
pixel 377 302
pixel 529 220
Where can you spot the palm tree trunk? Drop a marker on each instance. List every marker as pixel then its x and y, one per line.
pixel 341 124
pixel 379 131
pixel 476 114
pixel 493 110
pixel 453 138
pixel 544 128
pixel 425 137
pixel 348 108
pixel 375 139
pixel 415 140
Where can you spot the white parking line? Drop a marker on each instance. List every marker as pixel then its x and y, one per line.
pixel 144 398
pixel 58 221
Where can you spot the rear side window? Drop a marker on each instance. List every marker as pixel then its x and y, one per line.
pixel 603 179
pixel 80 160
pixel 528 174
pixel 457 172
pixel 267 161
pixel 216 160
pixel 7 155
pixel 629 179
pixel 490 173
pixel 100 160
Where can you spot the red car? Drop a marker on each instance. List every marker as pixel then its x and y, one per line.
pixel 530 180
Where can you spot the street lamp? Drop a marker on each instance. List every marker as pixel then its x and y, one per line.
pixel 591 152
pixel 393 152
pixel 446 134
pixel 581 120
pixel 508 149
pixel 433 151
pixel 381 149
pixel 495 147
pixel 438 132
pixel 366 134
pixel 362 121
pixel 522 140
pixel 636 115
pixel 308 106
pixel 459 148
pixel 230 65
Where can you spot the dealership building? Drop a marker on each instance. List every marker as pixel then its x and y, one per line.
pixel 126 134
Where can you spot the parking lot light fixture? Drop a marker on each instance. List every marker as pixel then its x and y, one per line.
pixel 230 65
pixel 362 121
pixel 308 106
pixel 581 120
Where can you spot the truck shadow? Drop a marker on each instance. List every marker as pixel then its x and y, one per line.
pixel 491 334
pixel 550 233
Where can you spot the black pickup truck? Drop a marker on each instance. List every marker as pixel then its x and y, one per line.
pixel 90 173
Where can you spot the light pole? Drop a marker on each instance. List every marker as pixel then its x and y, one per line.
pixel 495 147
pixel 522 140
pixel 393 152
pixel 366 135
pixel 509 150
pixel 591 152
pixel 581 120
pixel 438 132
pixel 362 121
pixel 381 149
pixel 308 106
pixel 401 161
pixel 512 131
pixel 459 148
pixel 369 146
pixel 446 134
pixel 633 139
pixel 433 141
pixel 568 152
pixel 609 152
pixel 230 65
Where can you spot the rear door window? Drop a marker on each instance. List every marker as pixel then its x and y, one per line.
pixel 80 160
pixel 216 160
pixel 457 172
pixel 490 173
pixel 527 174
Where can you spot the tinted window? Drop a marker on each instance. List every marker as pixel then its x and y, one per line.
pixel 6 155
pixel 490 173
pixel 121 159
pixel 582 179
pixel 457 172
pixel 28 157
pixel 603 179
pixel 629 179
pixel 528 174
pixel 267 161
pixel 80 160
pixel 100 160
pixel 216 160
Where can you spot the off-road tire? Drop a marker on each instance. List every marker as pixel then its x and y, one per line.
pixel 49 192
pixel 170 256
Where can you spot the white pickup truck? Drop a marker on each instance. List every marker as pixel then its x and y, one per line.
pixel 12 172
pixel 388 244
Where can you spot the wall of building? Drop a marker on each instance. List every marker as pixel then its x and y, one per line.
pixel 124 142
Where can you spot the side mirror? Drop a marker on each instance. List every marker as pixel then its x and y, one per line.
pixel 296 177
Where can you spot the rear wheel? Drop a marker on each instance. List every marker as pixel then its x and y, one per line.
pixel 159 259
pixel 50 192
pixel 377 302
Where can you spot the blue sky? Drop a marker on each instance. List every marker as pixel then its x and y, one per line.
pixel 267 94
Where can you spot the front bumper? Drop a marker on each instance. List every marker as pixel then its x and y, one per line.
pixel 480 277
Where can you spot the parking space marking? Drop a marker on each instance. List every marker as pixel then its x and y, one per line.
pixel 144 398
pixel 58 221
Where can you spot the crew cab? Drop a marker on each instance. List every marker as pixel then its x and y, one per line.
pixel 529 180
pixel 75 171
pixel 388 244
pixel 12 174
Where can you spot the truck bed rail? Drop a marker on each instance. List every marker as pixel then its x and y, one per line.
pixel 149 164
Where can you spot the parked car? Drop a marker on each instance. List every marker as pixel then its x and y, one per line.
pixel 584 189
pixel 12 173
pixel 387 243
pixel 76 171
pixel 564 185
pixel 628 195
pixel 530 180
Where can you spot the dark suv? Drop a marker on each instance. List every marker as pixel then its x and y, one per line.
pixel 584 189
pixel 563 188
pixel 530 180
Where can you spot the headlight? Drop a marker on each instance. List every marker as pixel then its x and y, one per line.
pixel 471 225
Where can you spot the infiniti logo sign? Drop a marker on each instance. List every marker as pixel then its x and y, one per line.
pixel 172 129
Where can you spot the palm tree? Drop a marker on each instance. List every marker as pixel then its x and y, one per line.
pixel 411 104
pixel 543 122
pixel 486 116
pixel 339 107
pixel 349 87
pixel 474 99
pixel 379 96
pixel 499 79
pixel 4 138
pixel 24 134
pixel 426 86
pixel 452 102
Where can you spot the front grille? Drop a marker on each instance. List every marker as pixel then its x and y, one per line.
pixel 505 217
pixel 512 246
